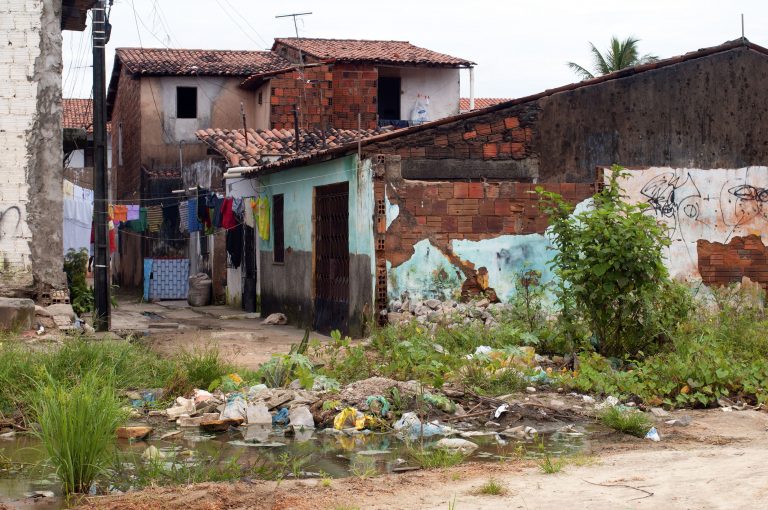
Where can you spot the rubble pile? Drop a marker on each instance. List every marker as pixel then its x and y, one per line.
pixel 433 311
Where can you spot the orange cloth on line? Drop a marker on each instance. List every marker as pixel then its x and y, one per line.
pixel 120 213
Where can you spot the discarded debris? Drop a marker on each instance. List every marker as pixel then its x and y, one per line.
pixel 653 435
pixel 276 319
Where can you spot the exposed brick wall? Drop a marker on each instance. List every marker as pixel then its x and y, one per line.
pixel 127 111
pixel 289 90
pixel 721 264
pixel 346 91
pixel 498 145
pixel 355 91
pixel 444 211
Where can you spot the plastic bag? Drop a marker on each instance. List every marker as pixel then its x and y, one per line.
pixel 420 110
pixel 345 419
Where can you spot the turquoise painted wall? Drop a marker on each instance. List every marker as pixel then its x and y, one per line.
pixel 429 274
pixel 297 186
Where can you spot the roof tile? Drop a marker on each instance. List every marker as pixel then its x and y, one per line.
pixel 184 62
pixel 382 52
pixel 265 145
pixel 481 102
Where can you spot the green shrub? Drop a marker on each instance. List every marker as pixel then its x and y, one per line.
pixel 630 422
pixel 610 258
pixel 77 427
pixel 76 267
pixel 203 366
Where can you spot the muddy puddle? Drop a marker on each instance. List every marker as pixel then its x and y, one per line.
pixel 307 454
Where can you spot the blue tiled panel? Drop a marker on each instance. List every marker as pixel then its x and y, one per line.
pixel 169 279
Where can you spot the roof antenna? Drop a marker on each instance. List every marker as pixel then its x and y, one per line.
pixel 743 39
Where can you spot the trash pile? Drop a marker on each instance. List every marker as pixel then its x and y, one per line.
pixel 434 311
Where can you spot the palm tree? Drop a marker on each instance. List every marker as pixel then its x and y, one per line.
pixel 620 54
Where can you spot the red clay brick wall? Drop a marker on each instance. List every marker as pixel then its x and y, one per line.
pixel 443 211
pixel 127 110
pixel 721 264
pixel 355 91
pixel 509 134
pixel 290 90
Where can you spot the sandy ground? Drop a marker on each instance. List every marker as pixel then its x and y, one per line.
pixel 171 326
pixel 718 462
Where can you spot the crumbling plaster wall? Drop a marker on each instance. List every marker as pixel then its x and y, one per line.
pixel 716 219
pixel 445 239
pixel 31 154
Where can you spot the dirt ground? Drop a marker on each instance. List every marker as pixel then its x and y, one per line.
pixel 717 462
pixel 171 326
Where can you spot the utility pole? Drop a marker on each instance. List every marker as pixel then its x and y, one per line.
pixel 101 319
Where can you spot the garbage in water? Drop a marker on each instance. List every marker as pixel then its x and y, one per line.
pixel 456 444
pixel 503 408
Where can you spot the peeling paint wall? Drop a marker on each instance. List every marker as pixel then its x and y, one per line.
pixel 705 206
pixel 31 154
pixel 446 239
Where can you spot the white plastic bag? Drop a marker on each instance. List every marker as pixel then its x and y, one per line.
pixel 420 111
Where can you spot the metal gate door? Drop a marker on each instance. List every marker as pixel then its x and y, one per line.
pixel 332 258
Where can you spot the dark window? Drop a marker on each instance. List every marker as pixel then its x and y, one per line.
pixel 279 233
pixel 389 98
pixel 261 98
pixel 186 102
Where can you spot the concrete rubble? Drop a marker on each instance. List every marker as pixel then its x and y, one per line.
pixel 432 311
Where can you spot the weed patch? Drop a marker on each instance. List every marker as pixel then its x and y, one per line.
pixel 630 422
pixel 77 428
pixel 492 488
pixel 435 458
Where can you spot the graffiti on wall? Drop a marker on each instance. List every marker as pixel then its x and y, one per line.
pixel 715 206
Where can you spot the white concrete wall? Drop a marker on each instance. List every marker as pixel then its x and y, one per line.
pixel 441 85
pixel 20 26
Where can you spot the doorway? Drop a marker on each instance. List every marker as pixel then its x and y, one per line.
pixel 389 98
pixel 331 258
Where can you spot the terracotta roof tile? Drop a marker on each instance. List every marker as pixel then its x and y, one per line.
pixel 383 52
pixel 265 145
pixel 78 114
pixel 183 62
pixel 481 102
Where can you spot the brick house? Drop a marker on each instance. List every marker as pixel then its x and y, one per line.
pixel 31 140
pixel 445 209
pixel 335 80
pixel 159 98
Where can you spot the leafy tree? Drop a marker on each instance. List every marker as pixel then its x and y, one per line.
pixel 610 261
pixel 620 54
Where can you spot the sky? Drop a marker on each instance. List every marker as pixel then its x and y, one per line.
pixel 520 47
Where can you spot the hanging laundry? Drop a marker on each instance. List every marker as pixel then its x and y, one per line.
pixel 171 217
pixel 120 213
pixel 249 218
pixel 154 218
pixel 133 213
pixel 237 209
pixel 203 213
pixel 235 245
pixel 139 225
pixel 192 218
pixel 184 216
pixel 228 220
pixel 263 217
pixel 215 203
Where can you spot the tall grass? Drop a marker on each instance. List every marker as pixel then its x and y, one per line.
pixel 77 426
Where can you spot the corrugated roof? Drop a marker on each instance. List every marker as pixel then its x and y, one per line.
pixel 383 52
pixel 188 62
pixel 278 143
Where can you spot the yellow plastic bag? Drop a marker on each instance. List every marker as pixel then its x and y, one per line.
pixel 263 217
pixel 346 418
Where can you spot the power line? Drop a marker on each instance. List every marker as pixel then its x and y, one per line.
pixel 245 20
pixel 234 20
